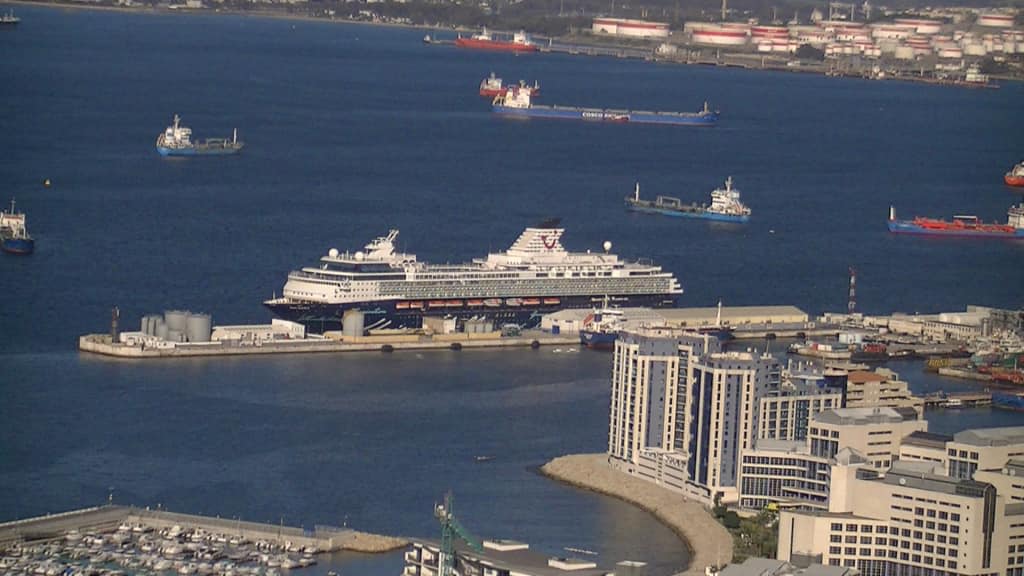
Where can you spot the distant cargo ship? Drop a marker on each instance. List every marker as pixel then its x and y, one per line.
pixel 1015 177
pixel 176 140
pixel 14 237
pixel 517 103
pixel 725 205
pixel 492 86
pixel 485 41
pixel 962 225
pixel 9 18
pixel 535 276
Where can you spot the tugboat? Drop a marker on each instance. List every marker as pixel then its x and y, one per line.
pixel 14 237
pixel 725 205
pixel 601 328
pixel 962 225
pixel 176 140
pixel 1015 177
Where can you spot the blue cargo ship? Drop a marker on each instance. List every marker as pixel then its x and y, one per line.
pixel 725 205
pixel 176 140
pixel 517 102
pixel 14 237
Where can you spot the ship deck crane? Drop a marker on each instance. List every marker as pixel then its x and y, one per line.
pixel 451 529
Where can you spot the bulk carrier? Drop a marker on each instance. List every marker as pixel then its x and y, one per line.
pixel 517 103
pixel 535 276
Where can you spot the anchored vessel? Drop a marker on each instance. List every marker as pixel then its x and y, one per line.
pixel 176 140
pixel 14 237
pixel 1015 177
pixel 962 225
pixel 9 18
pixel 484 41
pixel 492 86
pixel 725 205
pixel 516 102
pixel 535 276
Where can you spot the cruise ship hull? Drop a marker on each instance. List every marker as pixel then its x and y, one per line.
pixel 954 230
pixel 695 213
pixel 525 311
pixel 614 116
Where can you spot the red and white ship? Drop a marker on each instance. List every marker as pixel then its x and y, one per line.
pixel 492 86
pixel 485 41
pixel 1015 177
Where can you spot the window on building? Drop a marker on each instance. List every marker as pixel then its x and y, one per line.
pixel 851 539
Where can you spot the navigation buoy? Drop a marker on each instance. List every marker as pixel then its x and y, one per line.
pixel 46 182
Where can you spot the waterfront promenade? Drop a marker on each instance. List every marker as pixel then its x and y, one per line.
pixel 709 542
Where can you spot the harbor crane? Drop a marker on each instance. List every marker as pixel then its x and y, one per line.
pixel 451 529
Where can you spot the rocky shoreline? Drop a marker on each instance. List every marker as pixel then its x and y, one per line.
pixel 709 542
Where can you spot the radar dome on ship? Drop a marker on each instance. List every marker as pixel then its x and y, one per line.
pixel 360 256
pixel 607 246
pixel 333 252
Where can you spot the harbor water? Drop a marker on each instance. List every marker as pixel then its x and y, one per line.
pixel 351 130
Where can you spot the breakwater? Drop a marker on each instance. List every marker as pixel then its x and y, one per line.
pixel 709 542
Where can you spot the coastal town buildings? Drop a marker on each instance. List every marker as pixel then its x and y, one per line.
pixel 880 388
pixel 736 426
pixel 916 519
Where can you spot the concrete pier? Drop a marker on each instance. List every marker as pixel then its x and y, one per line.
pixel 709 542
pixel 105 518
pixel 102 344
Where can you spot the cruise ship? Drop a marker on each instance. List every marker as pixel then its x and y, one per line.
pixel 535 276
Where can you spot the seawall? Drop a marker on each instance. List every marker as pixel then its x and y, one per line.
pixel 709 542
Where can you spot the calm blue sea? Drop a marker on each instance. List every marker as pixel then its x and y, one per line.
pixel 352 130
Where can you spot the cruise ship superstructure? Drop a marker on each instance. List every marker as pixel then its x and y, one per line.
pixel 535 276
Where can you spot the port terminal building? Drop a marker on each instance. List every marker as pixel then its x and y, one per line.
pixel 630 28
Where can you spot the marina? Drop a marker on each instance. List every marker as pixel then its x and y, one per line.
pixel 100 539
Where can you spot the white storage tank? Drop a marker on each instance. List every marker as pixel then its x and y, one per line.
pixel 161 330
pixel 198 327
pixel 176 320
pixel 352 323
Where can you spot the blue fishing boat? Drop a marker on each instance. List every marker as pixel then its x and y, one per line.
pixel 14 237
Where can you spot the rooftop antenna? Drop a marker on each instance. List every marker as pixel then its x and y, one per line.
pixel 724 9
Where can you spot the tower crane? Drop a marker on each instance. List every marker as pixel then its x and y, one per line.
pixel 451 529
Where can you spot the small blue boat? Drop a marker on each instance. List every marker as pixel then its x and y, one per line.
pixel 176 140
pixel 14 237
pixel 725 205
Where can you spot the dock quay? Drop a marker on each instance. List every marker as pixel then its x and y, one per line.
pixel 111 518
pixel 261 341
pixel 965 374
pixel 957 400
